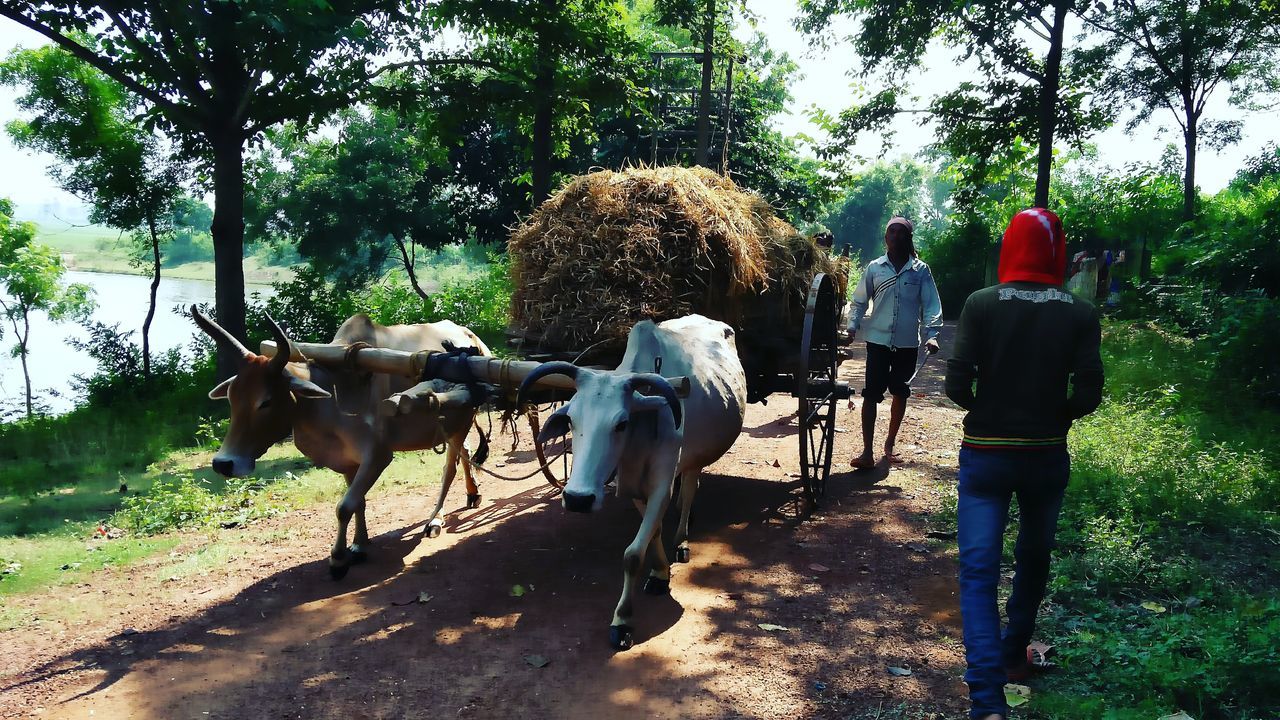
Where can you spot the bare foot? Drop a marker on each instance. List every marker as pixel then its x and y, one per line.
pixel 865 461
pixel 892 457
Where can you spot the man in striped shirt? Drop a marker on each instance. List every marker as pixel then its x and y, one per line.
pixel 903 297
pixel 1032 350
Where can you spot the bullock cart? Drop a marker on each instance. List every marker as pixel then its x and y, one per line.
pixel 801 361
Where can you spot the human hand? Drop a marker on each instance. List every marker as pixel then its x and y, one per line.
pixel 932 345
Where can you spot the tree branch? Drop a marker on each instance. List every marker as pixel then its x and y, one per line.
pixel 106 66
pixel 433 63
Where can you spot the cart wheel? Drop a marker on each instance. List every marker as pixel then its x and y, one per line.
pixel 559 451
pixel 816 389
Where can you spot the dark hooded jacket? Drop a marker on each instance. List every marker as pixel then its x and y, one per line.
pixel 1026 360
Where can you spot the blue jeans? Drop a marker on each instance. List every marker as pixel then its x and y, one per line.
pixel 988 481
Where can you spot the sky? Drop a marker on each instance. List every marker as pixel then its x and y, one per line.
pixel 826 84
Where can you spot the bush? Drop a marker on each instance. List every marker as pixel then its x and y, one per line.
pixel 184 501
pixel 120 369
pixel 1163 593
pixel 958 256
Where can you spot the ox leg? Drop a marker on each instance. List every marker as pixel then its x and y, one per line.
pixel 353 504
pixel 688 487
pixel 659 580
pixel 359 545
pixel 473 490
pixel 435 524
pixel 620 629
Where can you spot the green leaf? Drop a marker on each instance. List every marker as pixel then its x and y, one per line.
pixel 1017 695
pixel 517 591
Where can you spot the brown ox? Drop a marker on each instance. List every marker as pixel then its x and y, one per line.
pixel 333 416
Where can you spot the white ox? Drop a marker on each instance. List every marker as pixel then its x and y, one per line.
pixel 649 440
pixel 271 398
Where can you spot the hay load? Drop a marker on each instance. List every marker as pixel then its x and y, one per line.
pixel 614 248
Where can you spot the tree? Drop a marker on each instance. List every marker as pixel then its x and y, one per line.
pixel 873 196
pixel 84 118
pixel 1026 89
pixel 30 276
pixel 215 73
pixel 1172 55
pixel 549 67
pixel 347 203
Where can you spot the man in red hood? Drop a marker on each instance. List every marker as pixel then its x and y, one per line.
pixel 1026 365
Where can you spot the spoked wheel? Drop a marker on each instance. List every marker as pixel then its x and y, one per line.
pixel 559 452
pixel 817 389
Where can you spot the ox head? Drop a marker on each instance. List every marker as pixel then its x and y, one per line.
pixel 263 397
pixel 610 417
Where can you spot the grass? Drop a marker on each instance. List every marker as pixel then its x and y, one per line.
pixel 1164 594
pixel 1165 588
pixel 53 538
pixel 134 463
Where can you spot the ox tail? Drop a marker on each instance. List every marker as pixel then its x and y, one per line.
pixel 482 450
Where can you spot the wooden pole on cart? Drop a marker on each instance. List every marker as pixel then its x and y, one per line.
pixel 505 373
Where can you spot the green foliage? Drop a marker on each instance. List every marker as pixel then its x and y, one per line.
pixel 958 255
pixel 31 280
pixel 184 501
pixel 189 238
pixel 982 118
pixel 86 120
pixel 94 440
pixel 349 205
pixel 1171 505
pixel 312 309
pixel 871 198
pixel 1171 55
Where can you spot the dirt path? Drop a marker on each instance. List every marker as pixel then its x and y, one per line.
pixel 270 636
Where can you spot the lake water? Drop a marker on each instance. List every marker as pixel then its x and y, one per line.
pixel 121 299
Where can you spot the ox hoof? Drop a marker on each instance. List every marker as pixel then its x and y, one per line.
pixel 337 572
pixel 357 554
pixel 473 501
pixel 657 586
pixel 433 529
pixel 620 637
pixel 682 554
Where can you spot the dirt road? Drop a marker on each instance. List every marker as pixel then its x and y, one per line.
pixel 856 584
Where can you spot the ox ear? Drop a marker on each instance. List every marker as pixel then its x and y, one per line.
pixel 306 388
pixel 556 426
pixel 220 392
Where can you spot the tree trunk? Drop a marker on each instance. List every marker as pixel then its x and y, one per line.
pixel 541 170
pixel 543 89
pixel 703 154
pixel 22 352
pixel 228 244
pixel 151 308
pixel 408 267
pixel 1190 141
pixel 1049 102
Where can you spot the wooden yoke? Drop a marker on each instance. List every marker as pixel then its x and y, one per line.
pixel 507 374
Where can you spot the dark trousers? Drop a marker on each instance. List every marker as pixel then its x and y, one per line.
pixel 989 479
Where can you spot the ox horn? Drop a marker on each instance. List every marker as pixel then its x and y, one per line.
pixel 283 351
pixel 660 385
pixel 218 333
pixel 558 367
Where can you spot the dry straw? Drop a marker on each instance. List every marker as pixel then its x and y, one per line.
pixel 614 248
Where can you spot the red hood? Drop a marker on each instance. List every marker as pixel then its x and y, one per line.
pixel 1034 248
